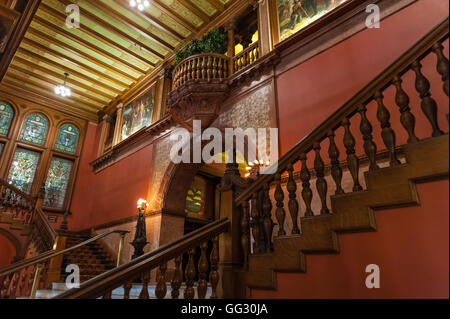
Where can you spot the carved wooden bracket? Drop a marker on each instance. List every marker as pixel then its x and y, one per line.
pixel 197 100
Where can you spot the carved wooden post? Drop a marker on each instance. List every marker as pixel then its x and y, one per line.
pixel 321 183
pixel 336 170
pixel 214 274
pixel 255 223
pixel 161 288
pixel 442 64
pixel 268 223
pixel 352 159
pixel 177 279
pixel 406 118
pixel 126 290
pixel 428 105
pixel 144 291
pixel 369 145
pixel 189 292
pixel 202 270
pixel 245 238
pixel 387 133
pixel 279 212
pixel 306 191
pixel 293 203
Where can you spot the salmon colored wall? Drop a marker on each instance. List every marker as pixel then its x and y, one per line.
pixel 111 194
pixel 310 92
pixel 7 251
pixel 411 247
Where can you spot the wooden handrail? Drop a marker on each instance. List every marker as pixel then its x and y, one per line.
pixel 44 220
pixel 26 196
pixel 381 82
pixel 116 277
pixel 46 256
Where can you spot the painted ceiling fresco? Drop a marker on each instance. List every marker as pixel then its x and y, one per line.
pixel 113 48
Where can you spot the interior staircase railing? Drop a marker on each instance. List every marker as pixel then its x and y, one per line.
pixel 140 268
pixel 24 278
pixel 308 152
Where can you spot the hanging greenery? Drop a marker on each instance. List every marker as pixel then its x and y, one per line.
pixel 213 42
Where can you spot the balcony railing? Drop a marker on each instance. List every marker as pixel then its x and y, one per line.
pixel 246 57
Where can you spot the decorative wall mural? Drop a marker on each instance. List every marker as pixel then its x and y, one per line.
pixel 57 181
pixel 67 139
pixel 6 116
pixel 34 129
pixel 23 169
pixel 138 114
pixel 294 15
pixel 195 199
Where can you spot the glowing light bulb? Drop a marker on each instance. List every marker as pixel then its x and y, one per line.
pixel 140 7
pixel 146 3
pixel 132 3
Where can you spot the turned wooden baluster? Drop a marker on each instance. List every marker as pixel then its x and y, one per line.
pixel 220 67
pixel 321 183
pixel 387 133
pixel 293 203
pixel 307 194
pixel 31 279
pixel 442 64
pixel 13 290
pixel 203 67
pixel 198 67
pixel 144 291
pixel 255 222
pixel 214 70
pixel 336 170
pixel 369 145
pixel 202 270
pixel 2 279
pixel 352 159
pixel 107 295
pixel 428 105
pixel 189 292
pixel 406 118
pixel 214 274
pixel 161 287
pixel 177 279
pixel 126 290
pixel 268 223
pixel 5 287
pixel 245 231
pixel 22 279
pixel 279 212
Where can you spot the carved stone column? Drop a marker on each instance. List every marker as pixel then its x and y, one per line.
pixel 264 28
pixel 105 128
pixel 163 89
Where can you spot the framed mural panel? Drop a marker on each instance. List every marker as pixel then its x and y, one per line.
pixel 294 15
pixel 138 114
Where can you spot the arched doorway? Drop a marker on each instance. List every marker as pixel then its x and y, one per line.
pixel 10 248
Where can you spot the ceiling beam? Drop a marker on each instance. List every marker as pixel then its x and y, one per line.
pixel 49 89
pixel 65 69
pixel 55 83
pixel 153 20
pixel 195 10
pixel 60 76
pixel 74 63
pixel 131 24
pixel 174 15
pixel 96 35
pixel 217 4
pixel 80 41
pixel 81 54
pixel 117 31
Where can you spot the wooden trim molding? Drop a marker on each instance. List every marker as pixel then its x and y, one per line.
pixel 134 143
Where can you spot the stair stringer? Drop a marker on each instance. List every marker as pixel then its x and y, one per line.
pixel 387 188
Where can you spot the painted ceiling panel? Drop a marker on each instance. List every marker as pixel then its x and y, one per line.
pixel 114 48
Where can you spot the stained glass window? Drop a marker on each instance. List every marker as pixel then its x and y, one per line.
pixel 137 114
pixel 6 116
pixel 294 15
pixel 67 139
pixel 57 182
pixel 23 169
pixel 34 129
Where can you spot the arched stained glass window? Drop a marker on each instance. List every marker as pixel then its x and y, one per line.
pixel 23 169
pixel 57 182
pixel 6 116
pixel 34 129
pixel 67 139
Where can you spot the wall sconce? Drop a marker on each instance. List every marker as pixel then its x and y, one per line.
pixel 140 237
pixel 254 167
pixel 142 205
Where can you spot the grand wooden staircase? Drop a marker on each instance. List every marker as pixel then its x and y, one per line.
pixel 331 182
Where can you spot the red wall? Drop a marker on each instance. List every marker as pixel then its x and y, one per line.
pixel 312 91
pixel 7 251
pixel 111 194
pixel 411 248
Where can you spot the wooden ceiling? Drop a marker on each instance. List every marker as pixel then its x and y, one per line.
pixel 115 47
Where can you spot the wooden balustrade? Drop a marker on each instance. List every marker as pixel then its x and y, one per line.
pixel 23 278
pixel 351 115
pixel 205 66
pixel 246 57
pixel 195 277
pixel 15 202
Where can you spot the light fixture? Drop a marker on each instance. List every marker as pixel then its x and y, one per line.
pixel 140 4
pixel 253 167
pixel 142 203
pixel 63 90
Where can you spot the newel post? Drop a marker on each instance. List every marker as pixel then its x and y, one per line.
pixel 231 257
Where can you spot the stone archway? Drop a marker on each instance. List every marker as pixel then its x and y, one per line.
pixel 12 239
